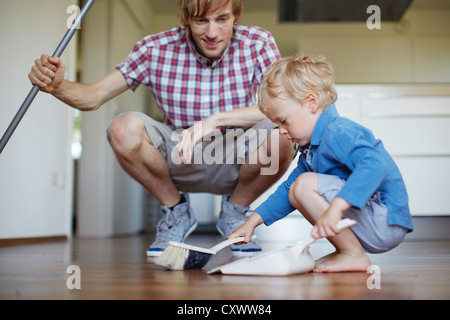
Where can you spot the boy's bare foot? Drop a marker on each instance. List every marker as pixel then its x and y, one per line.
pixel 343 262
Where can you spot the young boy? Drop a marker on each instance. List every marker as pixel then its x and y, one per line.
pixel 342 172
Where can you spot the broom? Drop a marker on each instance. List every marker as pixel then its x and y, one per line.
pixel 182 256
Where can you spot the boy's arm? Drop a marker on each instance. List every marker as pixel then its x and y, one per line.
pixel 247 229
pixel 274 208
pixel 277 206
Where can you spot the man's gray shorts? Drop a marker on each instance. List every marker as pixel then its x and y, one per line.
pixel 373 231
pixel 216 162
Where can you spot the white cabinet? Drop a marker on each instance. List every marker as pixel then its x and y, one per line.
pixel 413 121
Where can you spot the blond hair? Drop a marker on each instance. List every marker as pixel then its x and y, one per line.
pixel 188 9
pixel 295 77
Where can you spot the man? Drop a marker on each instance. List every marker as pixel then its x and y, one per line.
pixel 203 75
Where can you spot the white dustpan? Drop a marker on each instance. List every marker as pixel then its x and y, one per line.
pixel 291 259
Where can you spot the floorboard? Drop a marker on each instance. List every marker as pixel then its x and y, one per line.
pixel 117 268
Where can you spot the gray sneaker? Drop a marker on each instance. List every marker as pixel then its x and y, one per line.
pixel 175 225
pixel 232 217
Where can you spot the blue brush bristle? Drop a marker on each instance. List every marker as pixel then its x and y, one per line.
pixel 196 260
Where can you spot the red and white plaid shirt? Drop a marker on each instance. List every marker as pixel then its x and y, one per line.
pixel 188 87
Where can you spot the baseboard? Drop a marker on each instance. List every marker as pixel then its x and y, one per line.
pixel 433 228
pixel 27 241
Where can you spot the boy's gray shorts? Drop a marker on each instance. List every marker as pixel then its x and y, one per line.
pixel 372 229
pixel 216 162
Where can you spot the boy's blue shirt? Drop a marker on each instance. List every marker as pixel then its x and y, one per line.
pixel 346 149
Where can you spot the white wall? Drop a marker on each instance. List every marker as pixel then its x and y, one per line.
pixel 35 166
pixel 110 202
pixel 415 50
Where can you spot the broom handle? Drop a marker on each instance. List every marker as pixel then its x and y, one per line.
pixel 35 89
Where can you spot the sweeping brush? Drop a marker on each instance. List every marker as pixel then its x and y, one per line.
pixel 182 256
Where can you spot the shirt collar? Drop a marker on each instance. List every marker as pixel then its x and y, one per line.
pixel 328 115
pixel 205 61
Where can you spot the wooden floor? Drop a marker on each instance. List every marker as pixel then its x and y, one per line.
pixel 118 269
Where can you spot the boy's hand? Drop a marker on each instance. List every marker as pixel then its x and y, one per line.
pixel 247 229
pixel 326 226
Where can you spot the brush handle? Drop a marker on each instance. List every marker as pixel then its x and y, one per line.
pixel 342 224
pixel 228 242
pixel 345 223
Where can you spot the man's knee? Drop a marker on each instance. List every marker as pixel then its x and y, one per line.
pixel 126 133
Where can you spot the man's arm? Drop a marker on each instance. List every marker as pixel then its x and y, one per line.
pixel 48 74
pixel 244 117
